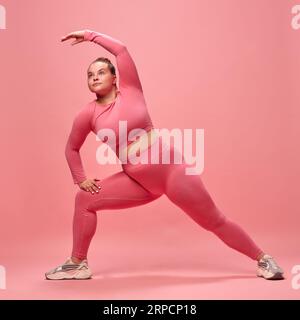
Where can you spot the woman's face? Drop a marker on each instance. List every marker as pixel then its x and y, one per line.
pixel 100 80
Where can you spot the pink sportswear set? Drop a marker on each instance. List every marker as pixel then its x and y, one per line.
pixel 141 183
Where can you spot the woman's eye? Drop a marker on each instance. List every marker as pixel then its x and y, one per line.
pixel 91 75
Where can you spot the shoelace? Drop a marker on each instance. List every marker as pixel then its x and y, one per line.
pixel 67 266
pixel 272 263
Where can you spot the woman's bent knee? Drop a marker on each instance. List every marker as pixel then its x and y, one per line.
pixel 83 198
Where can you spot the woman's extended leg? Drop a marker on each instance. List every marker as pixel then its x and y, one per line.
pixel 189 193
pixel 118 191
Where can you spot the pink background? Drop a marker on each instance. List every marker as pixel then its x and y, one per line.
pixel 231 67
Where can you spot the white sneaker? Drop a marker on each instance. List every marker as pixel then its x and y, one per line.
pixel 70 270
pixel 269 269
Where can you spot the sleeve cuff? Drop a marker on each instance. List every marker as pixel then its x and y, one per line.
pixel 78 181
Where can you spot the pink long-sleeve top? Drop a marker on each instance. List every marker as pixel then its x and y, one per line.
pixel 129 106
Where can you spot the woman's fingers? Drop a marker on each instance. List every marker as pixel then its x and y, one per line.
pixel 97 186
pixel 89 189
pixel 92 188
pixel 76 41
pixel 79 35
pixel 68 36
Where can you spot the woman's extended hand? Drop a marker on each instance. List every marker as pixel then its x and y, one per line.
pixel 90 185
pixel 78 35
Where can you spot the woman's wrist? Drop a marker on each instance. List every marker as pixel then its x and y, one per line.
pixel 87 35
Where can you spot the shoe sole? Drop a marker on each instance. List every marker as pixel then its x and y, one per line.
pixel 276 276
pixel 64 276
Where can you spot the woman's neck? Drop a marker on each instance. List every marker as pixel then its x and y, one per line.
pixel 110 97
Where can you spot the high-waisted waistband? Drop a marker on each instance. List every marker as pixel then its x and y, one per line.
pixel 142 143
pixel 157 152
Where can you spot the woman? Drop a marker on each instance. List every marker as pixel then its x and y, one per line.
pixel 137 183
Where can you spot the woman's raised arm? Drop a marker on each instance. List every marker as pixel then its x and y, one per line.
pixel 129 78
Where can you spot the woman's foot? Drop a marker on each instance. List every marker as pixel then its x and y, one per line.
pixel 268 268
pixel 70 270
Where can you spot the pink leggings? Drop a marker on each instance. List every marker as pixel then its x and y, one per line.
pixel 138 184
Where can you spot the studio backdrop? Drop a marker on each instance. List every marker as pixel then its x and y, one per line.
pixel 228 67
